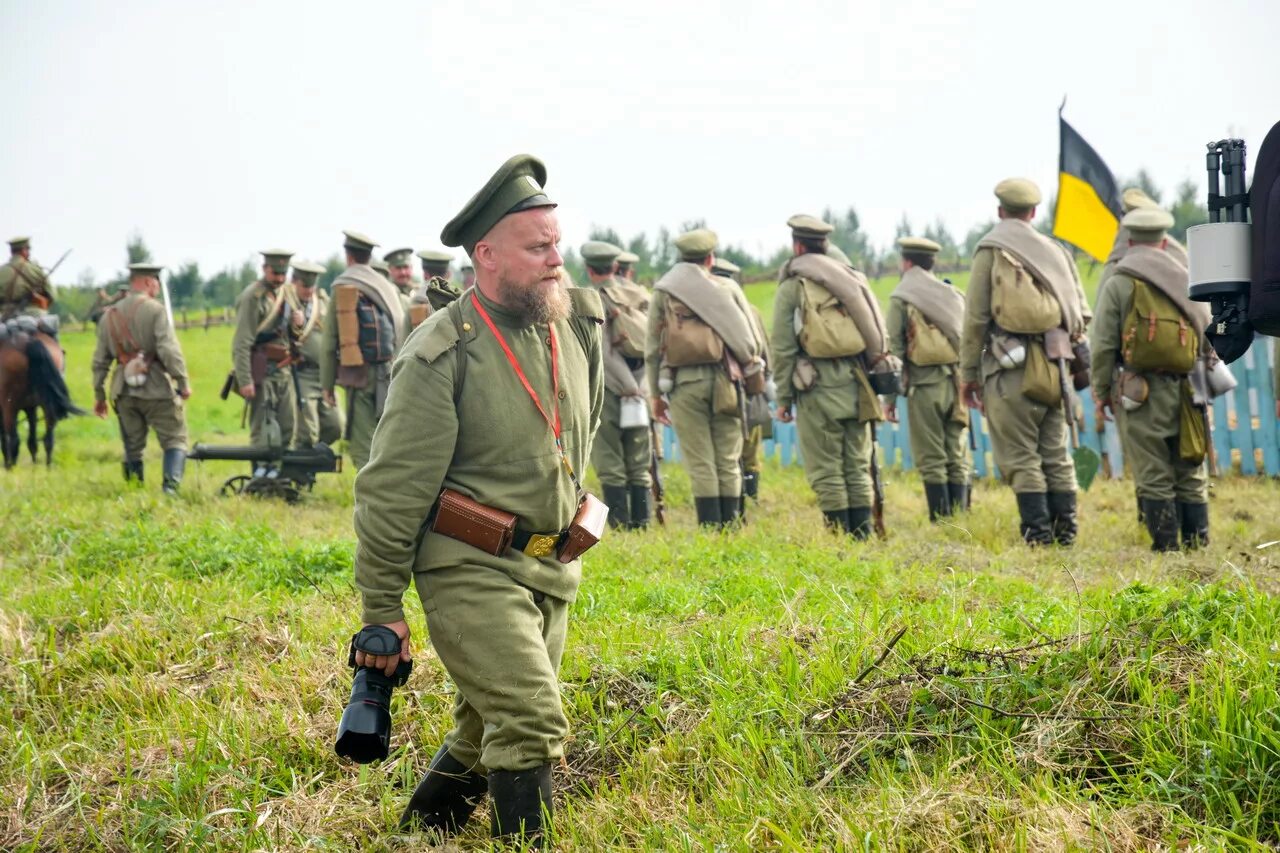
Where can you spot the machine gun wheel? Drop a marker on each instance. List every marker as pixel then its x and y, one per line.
pixel 234 485
pixel 263 487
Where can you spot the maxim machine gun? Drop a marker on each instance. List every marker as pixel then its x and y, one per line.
pixel 276 473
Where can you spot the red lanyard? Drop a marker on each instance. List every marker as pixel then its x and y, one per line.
pixel 553 422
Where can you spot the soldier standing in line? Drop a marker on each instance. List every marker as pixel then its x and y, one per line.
pixel 149 382
pixel 260 353
pixel 362 333
pixel 24 287
pixel 1146 339
pixel 627 265
pixel 828 337
pixel 527 348
pixel 468 275
pixel 621 452
pixel 437 288
pixel 699 337
pixel 753 444
pixel 1024 304
pixel 317 421
pixel 924 320
pixel 400 268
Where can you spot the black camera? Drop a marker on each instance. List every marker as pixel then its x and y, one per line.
pixel 364 734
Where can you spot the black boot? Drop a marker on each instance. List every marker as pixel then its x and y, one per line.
pixel 1195 525
pixel 640 496
pixel 1162 524
pixel 127 467
pixel 1142 516
pixel 616 498
pixel 751 484
pixel 1033 508
pixel 836 519
pixel 520 798
pixel 858 522
pixel 708 510
pixel 135 471
pixel 959 494
pixel 175 460
pixel 446 796
pixel 731 510
pixel 938 496
pixel 1062 517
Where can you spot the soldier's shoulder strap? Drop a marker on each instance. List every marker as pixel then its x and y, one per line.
pixel 586 303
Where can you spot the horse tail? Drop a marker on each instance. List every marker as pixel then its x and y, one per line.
pixel 46 382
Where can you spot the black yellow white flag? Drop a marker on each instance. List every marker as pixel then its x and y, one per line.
pixel 1088 212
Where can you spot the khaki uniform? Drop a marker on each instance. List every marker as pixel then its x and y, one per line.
pixel 317 420
pixel 138 323
pixel 753 444
pixel 273 409
pixel 20 282
pixel 497 622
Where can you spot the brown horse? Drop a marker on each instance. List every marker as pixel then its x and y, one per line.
pixel 31 379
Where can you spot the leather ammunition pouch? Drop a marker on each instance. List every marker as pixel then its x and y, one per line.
pixel 494 531
pixel 345 299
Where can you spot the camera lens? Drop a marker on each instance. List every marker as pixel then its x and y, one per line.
pixel 364 734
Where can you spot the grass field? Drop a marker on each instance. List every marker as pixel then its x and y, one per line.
pixel 171 672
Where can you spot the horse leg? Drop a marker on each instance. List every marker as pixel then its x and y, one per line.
pixel 33 443
pixel 9 436
pixel 49 425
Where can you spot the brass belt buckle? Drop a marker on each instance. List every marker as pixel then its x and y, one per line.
pixel 541 545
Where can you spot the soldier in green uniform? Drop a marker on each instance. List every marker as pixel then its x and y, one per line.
pixel 437 289
pixel 308 306
pixel 924 320
pixel 400 268
pixel 527 349
pixel 24 286
pixel 621 452
pixel 260 354
pixel 149 382
pixel 828 333
pixel 695 320
pixel 102 301
pixel 753 444
pixel 362 333
pixel 1023 293
pixel 627 265
pixel 1146 338
pixel 468 275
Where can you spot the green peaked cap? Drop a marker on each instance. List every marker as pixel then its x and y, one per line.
pixel 516 186
pixel 599 253
pixel 277 259
pixel 398 257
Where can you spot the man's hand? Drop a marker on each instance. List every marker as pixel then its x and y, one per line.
pixel 329 399
pixel 784 414
pixel 891 411
pixel 185 393
pixel 100 408
pixel 247 391
pixel 388 663
pixel 972 393
pixel 660 411
pixel 1102 410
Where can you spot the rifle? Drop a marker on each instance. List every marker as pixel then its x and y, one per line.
pixel 168 305
pixel 655 474
pixel 877 488
pixel 54 268
pixel 1085 459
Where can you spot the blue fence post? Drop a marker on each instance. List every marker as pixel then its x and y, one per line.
pixel 1262 395
pixel 979 451
pixel 1238 399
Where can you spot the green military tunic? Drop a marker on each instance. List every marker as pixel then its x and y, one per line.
pixel 1149 432
pixel 273 409
pixel 620 456
pixel 317 420
pixel 835 445
pixel 497 622
pixel 1029 440
pixel 138 323
pixel 937 436
pixel 753 444
pixel 21 281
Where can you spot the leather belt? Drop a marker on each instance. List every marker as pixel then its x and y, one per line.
pixel 536 544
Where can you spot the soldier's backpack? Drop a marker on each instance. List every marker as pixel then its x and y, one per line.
pixel 1019 304
pixel 926 343
pixel 823 325
pixel 1156 334
pixel 686 339
pixel 627 314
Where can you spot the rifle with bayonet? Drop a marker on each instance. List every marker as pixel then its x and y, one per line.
pixel 655 474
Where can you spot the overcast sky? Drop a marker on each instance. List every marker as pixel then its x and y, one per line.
pixel 220 128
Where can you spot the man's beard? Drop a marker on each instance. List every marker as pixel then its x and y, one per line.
pixel 536 306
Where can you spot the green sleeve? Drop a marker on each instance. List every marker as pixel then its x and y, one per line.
pixel 977 315
pixel 329 349
pixel 786 347
pixel 1105 333
pixel 395 491
pixel 595 377
pixel 102 359
pixel 896 322
pixel 653 342
pixel 168 353
pixel 242 343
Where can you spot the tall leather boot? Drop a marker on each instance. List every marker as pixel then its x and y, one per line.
pixel 640 498
pixel 858 524
pixel 175 461
pixel 127 467
pixel 751 485
pixel 1142 516
pixel 1063 517
pixel 708 510
pixel 1195 525
pixel 520 799
pixel 445 798
pixel 959 494
pixel 938 496
pixel 836 519
pixel 731 510
pixel 138 470
pixel 616 498
pixel 1162 524
pixel 1033 509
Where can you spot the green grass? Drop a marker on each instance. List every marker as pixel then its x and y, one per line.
pixel 174 672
